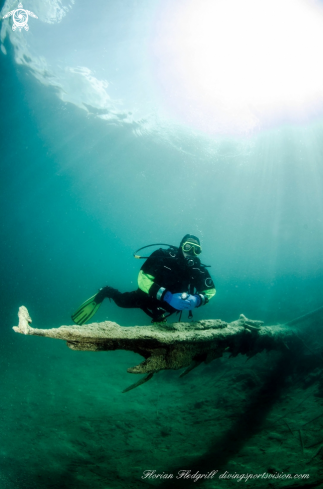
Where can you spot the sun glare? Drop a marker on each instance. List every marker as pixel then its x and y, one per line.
pixel 252 61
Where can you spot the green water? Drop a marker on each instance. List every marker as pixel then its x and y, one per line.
pixel 79 194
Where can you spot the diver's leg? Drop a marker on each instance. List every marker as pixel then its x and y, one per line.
pixel 154 307
pixel 126 299
pixel 138 299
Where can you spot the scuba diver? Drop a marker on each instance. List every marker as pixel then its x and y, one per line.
pixel 170 281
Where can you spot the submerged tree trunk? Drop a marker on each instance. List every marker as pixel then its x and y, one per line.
pixel 171 346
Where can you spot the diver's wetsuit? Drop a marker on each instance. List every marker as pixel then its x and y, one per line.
pixel 139 299
pixel 168 269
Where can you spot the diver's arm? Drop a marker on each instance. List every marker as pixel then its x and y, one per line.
pixel 177 301
pixel 206 295
pixel 146 277
pixel 146 283
pixel 205 288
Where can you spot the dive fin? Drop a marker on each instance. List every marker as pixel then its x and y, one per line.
pixel 86 310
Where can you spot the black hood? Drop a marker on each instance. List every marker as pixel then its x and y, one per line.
pixel 191 238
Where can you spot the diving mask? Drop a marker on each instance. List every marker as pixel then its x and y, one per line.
pixel 191 248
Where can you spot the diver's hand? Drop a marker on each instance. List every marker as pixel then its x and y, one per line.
pixel 194 300
pixel 176 301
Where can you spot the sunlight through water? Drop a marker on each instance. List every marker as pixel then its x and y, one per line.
pixel 238 66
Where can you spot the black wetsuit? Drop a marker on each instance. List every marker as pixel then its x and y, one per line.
pixel 168 269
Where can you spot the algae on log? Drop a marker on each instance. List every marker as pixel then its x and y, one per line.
pixel 171 346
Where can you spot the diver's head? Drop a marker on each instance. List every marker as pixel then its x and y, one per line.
pixel 190 247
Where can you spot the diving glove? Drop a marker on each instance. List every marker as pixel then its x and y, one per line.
pixel 177 301
pixel 194 300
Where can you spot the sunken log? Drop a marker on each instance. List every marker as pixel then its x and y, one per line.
pixel 171 346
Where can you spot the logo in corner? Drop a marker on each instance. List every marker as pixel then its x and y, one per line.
pixel 20 18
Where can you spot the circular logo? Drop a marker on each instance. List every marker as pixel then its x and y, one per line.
pixel 209 282
pixel 20 18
